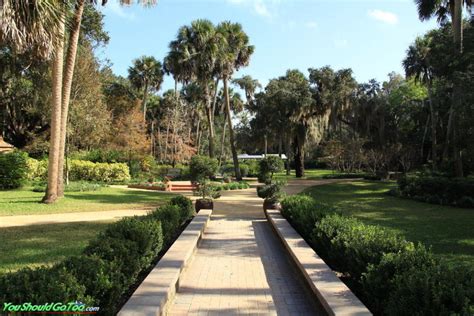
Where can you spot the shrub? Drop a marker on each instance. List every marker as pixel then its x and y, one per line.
pixel 271 192
pixel 102 280
pixel 41 285
pixel 185 206
pixel 268 167
pixel 379 280
pixel 202 167
pixel 303 212
pixel 432 290
pixel 131 242
pixel 76 186
pixel 170 218
pixel 13 170
pixel 438 190
pixel 254 168
pixel 244 169
pixel 37 169
pixel 352 246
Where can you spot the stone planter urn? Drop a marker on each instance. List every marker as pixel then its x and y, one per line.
pixel 204 204
pixel 271 205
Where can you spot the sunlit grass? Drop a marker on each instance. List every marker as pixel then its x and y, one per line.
pixel 310 174
pixel 27 202
pixel 448 230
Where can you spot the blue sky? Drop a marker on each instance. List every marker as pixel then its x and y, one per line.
pixel 369 36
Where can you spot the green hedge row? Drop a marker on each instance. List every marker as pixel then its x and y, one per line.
pixel 438 190
pixel 389 274
pixel 231 186
pixel 109 265
pixel 13 170
pixel 82 170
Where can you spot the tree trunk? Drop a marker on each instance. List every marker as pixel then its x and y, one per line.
pixel 231 132
pixel 448 132
pixel 145 98
pixel 458 24
pixel 424 138
pixel 152 139
pixel 434 123
pixel 167 141
pixel 67 84
pixel 223 141
pixel 288 149
pixel 458 167
pixel 210 122
pixel 56 97
pixel 265 144
pixel 299 157
pixel 214 102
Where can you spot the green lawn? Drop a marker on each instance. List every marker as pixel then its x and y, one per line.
pixel 38 245
pixel 310 174
pixel 27 202
pixel 449 230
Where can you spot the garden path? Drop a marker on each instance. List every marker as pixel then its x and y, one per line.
pixel 240 266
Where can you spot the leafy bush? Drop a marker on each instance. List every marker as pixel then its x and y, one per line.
pixel 344 176
pixel 432 290
pixel 202 168
pixel 37 169
pixel 185 205
pixel 207 191
pixel 271 192
pixel 170 218
pixel 76 186
pixel 108 266
pixel 268 167
pixel 13 170
pixel 303 212
pixel 254 168
pixel 438 190
pixel 42 285
pixel 101 279
pixel 244 169
pixel 351 246
pixel 391 275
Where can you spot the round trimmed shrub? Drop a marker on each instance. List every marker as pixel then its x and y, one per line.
pixel 202 168
pixel 185 205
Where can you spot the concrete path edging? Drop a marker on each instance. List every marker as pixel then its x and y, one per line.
pixel 155 293
pixel 334 295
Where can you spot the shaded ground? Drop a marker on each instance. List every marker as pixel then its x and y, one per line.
pixel 26 202
pixel 448 230
pixel 34 246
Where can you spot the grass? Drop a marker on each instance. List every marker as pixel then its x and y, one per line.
pixel 310 174
pixel 448 230
pixel 26 202
pixel 38 245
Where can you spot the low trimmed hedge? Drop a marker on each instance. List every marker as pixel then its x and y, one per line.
pixel 391 275
pixel 13 170
pixel 437 190
pixel 231 186
pixel 108 267
pixel 82 170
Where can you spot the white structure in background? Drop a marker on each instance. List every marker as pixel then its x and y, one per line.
pixel 245 156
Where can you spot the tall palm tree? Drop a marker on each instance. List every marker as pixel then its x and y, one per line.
pixel 417 65
pixel 146 74
pixel 443 9
pixel 249 85
pixel 235 54
pixel 200 46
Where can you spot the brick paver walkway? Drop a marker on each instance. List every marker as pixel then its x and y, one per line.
pixel 241 267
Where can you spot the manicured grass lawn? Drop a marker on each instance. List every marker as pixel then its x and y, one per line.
pixel 38 245
pixel 449 230
pixel 26 202
pixel 310 174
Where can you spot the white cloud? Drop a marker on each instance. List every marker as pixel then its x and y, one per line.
pixel 264 8
pixel 384 16
pixel 311 25
pixel 341 43
pixel 115 8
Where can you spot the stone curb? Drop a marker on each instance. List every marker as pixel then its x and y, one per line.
pixel 158 289
pixel 330 291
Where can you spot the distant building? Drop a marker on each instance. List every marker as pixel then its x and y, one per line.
pixel 248 157
pixel 5 147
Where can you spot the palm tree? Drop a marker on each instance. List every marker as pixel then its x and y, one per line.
pixel 417 65
pixel 146 74
pixel 200 45
pixel 235 54
pixel 249 85
pixel 442 9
